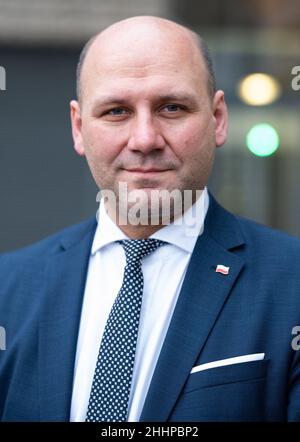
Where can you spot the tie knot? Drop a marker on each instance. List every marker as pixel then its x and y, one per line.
pixel 136 249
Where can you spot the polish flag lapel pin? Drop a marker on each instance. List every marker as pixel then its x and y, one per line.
pixel 222 269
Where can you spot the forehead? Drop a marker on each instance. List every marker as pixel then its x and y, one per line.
pixel 145 59
pixel 151 83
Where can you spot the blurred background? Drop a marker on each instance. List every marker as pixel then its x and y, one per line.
pixel 45 186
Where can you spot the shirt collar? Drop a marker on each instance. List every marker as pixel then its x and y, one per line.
pixel 183 232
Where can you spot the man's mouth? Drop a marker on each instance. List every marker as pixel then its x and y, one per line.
pixel 146 171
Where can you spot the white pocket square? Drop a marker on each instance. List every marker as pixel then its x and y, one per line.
pixel 229 361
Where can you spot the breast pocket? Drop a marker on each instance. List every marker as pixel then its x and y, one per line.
pixel 228 393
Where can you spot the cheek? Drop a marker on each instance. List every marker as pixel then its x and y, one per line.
pixel 101 144
pixel 199 140
pixel 190 145
pixel 196 149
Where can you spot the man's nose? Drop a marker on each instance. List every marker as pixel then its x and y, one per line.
pixel 145 135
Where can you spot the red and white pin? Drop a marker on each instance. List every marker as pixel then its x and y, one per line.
pixel 222 269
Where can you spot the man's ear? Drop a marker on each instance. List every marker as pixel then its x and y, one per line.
pixel 221 118
pixel 76 127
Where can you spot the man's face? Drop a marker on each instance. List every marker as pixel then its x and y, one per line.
pixel 146 117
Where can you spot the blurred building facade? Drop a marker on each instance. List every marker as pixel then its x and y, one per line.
pixel 44 186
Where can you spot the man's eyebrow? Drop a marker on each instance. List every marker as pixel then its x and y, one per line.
pixel 106 100
pixel 177 97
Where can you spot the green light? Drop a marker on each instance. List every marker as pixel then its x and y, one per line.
pixel 262 140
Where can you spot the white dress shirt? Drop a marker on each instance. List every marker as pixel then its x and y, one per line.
pixel 163 271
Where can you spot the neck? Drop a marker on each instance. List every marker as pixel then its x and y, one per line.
pixel 140 231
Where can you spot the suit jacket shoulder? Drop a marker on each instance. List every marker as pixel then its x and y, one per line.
pixel 22 271
pixel 255 238
pixel 50 244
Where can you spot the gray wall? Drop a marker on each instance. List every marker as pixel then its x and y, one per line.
pixel 44 185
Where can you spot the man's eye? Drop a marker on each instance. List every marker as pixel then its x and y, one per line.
pixel 117 111
pixel 172 108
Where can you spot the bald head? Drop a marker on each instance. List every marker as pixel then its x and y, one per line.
pixel 144 33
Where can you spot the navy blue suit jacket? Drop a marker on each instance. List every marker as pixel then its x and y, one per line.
pixel 253 309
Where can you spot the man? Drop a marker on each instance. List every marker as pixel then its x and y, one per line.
pixel 198 330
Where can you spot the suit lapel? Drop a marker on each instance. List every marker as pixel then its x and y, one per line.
pixel 65 277
pixel 201 299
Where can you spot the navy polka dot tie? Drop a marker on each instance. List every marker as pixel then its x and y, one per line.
pixel 112 379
